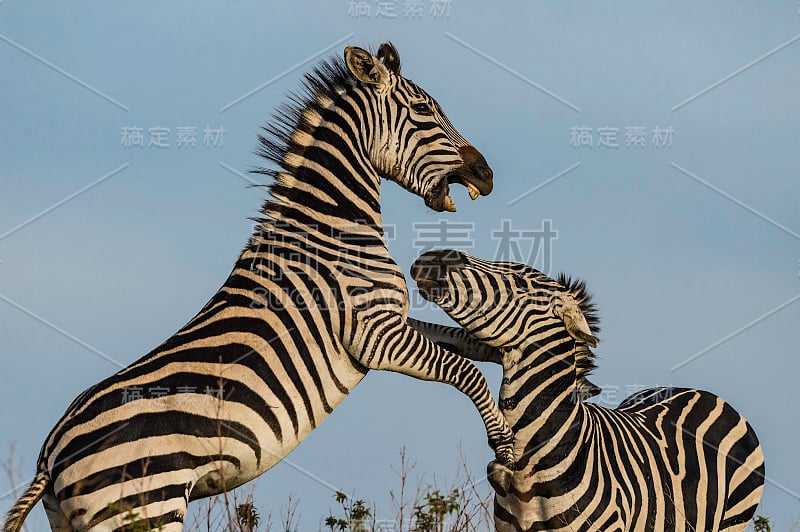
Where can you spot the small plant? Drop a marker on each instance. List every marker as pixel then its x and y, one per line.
pixel 430 515
pixel 132 521
pixel 761 524
pixel 290 520
pixel 356 515
pixel 247 516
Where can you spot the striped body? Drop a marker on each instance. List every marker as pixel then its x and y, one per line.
pixel 667 459
pixel 314 301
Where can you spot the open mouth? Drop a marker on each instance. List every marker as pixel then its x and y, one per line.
pixel 439 198
pixel 474 173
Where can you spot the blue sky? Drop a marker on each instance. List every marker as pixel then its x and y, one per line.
pixel 685 242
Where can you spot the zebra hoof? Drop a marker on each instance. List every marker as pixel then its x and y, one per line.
pixel 499 477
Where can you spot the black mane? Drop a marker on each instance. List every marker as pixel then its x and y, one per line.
pixel 302 114
pixel 322 85
pixel 584 357
pixel 577 289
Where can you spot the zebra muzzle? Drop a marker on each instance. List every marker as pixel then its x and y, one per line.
pixel 476 173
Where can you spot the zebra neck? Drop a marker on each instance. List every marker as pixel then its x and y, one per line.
pixel 539 401
pixel 328 178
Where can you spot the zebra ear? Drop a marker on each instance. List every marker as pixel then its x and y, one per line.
pixel 390 57
pixel 365 66
pixel 575 322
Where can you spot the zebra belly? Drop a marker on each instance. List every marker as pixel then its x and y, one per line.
pixel 270 449
pixel 189 444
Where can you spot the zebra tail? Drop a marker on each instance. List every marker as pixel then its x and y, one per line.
pixel 17 514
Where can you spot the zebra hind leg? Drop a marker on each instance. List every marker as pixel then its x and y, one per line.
pixel 57 518
pixel 499 477
pixel 163 509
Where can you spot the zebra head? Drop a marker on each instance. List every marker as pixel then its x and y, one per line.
pixel 411 141
pixel 503 304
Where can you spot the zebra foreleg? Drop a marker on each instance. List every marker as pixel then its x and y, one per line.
pixel 388 343
pixel 458 341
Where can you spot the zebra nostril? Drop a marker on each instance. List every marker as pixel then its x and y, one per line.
pixel 482 174
pixel 482 170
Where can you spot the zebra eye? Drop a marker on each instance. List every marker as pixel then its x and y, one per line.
pixel 520 282
pixel 422 108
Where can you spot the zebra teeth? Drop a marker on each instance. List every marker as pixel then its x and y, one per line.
pixel 473 191
pixel 449 204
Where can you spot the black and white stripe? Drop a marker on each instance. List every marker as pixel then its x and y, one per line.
pixel 313 302
pixel 666 459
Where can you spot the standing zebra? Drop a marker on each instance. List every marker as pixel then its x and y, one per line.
pixel 665 459
pixel 313 302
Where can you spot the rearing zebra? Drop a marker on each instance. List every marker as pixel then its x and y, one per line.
pixel 313 302
pixel 665 459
